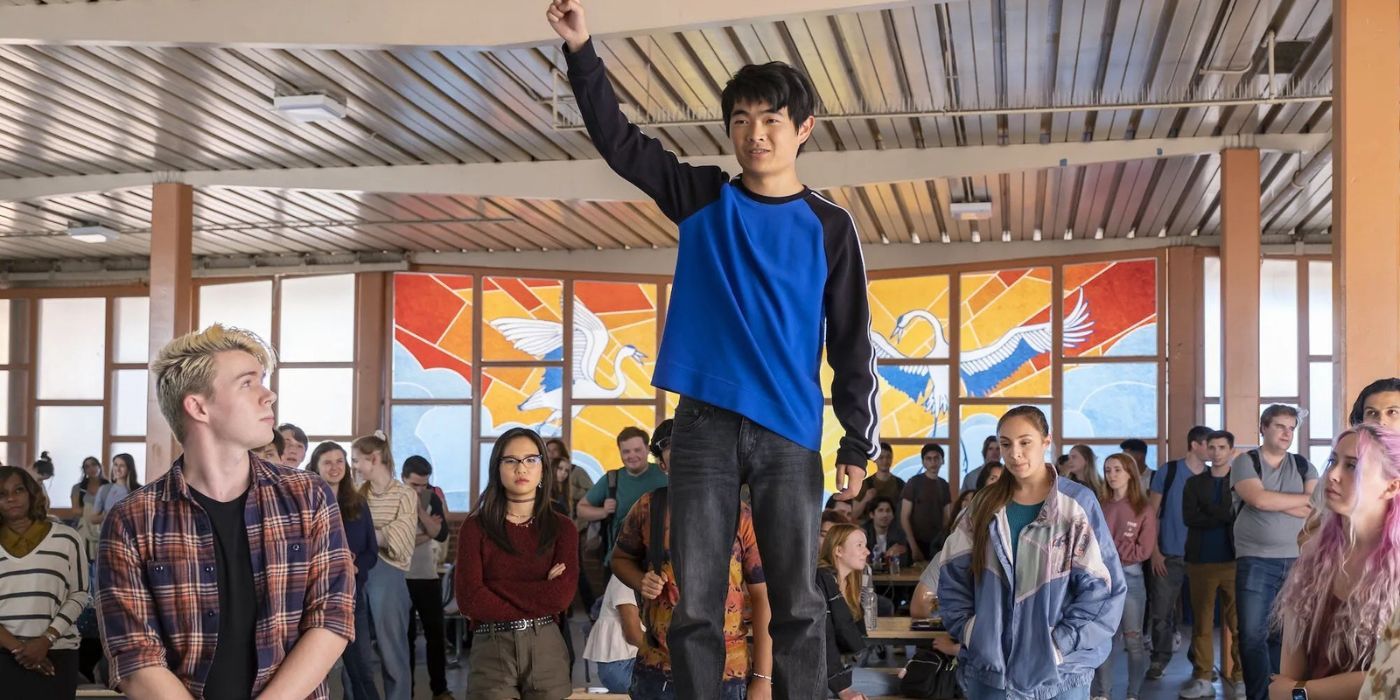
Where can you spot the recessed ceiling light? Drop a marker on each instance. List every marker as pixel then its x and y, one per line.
pixel 92 233
pixel 317 107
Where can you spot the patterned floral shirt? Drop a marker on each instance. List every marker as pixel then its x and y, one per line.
pixel 158 588
pixel 1383 678
pixel 745 568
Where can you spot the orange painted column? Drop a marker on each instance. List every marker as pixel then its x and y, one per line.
pixel 1239 291
pixel 172 296
pixel 1184 361
pixel 1366 192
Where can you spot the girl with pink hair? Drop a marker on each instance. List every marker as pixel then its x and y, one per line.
pixel 1346 582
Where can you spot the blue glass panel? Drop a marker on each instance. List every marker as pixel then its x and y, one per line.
pixel 411 381
pixel 442 434
pixel 1116 400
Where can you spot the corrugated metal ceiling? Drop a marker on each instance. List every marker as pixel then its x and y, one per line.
pixel 67 110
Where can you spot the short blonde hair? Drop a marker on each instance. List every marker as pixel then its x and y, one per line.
pixel 185 366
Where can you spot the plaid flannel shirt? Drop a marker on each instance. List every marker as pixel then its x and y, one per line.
pixel 158 599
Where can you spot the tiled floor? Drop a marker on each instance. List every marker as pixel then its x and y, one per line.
pixel 1178 673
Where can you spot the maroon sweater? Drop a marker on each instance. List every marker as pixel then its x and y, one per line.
pixel 496 586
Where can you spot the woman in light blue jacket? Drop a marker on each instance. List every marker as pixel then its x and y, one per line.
pixel 1047 589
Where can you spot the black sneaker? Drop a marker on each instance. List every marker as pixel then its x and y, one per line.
pixel 1155 672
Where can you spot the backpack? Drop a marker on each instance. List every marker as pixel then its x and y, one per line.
pixel 598 539
pixel 655 556
pixel 1299 461
pixel 1167 487
pixel 930 674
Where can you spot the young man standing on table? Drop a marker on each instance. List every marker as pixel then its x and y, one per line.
pixel 768 274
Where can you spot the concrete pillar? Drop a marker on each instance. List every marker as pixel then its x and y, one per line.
pixel 1240 241
pixel 372 332
pixel 1366 192
pixel 1185 364
pixel 172 295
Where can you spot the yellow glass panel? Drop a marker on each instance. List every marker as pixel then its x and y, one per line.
pixel 522 319
pixel 595 430
pixel 521 396
pixel 1006 337
pixel 615 355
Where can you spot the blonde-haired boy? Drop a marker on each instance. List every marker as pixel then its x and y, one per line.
pixel 228 577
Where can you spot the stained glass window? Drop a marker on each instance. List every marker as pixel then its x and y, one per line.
pixel 595 430
pixel 433 334
pixel 1005 343
pixel 443 436
pixel 1110 400
pixel 934 383
pixel 1110 309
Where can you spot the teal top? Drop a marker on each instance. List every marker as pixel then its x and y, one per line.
pixel 1019 516
pixel 629 489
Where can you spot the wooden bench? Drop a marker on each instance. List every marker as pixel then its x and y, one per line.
pixel 583 694
pixel 97 691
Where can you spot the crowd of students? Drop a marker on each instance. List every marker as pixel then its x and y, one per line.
pixel 1303 574
pixel 238 574
pixel 1056 569
pixel 1061 568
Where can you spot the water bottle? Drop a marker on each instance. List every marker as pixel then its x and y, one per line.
pixel 867 600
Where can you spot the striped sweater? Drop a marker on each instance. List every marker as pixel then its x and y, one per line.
pixel 46 588
pixel 395 514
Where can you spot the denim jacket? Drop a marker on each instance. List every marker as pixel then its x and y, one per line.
pixel 1054 612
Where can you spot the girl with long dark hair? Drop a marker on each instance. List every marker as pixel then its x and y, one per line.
pixel 84 496
pixel 517 570
pixel 123 483
pixel 1031 574
pixel 328 461
pixel 86 488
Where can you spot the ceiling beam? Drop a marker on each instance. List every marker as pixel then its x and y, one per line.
pixel 375 23
pixel 592 180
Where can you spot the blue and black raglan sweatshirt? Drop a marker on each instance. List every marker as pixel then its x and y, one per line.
pixel 759 281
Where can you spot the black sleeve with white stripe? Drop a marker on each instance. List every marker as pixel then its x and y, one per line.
pixel 854 390
pixel 679 189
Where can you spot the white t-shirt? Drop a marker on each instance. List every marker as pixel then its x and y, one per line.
pixel 606 642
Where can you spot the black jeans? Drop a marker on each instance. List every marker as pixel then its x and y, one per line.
pixel 426 595
pixel 713 452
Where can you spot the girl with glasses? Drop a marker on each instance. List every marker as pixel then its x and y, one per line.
pixel 517 570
